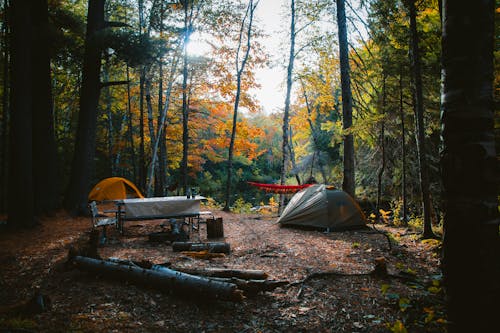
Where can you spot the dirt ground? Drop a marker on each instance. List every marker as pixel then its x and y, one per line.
pixel 341 302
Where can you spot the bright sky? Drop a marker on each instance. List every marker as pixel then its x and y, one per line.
pixel 271 95
pixel 272 92
pixel 273 18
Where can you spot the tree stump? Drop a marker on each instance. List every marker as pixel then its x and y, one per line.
pixel 215 228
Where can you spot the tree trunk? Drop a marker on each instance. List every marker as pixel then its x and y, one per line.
pixel 160 174
pixel 107 99
pixel 239 72
pixel 142 149
pixel 154 161
pixel 286 112
pixel 185 106
pixel 83 161
pixel 403 149
pixel 314 134
pixel 142 77
pixel 212 247
pixel 247 274
pixel 253 287
pixel 292 157
pixel 419 117
pixel 21 202
pixel 382 151
pixel 45 173
pixel 130 132
pixel 348 184
pixel 162 124
pixel 471 245
pixel 162 278
pixel 4 152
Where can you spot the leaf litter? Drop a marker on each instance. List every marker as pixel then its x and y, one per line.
pixel 83 302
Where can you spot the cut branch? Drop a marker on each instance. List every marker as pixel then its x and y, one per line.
pixel 247 274
pixel 164 279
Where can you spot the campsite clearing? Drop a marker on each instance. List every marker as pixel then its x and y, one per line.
pixel 333 302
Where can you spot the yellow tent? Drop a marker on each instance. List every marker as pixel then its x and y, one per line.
pixel 114 188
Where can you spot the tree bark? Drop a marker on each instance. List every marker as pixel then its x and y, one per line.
pixel 130 131
pixel 292 156
pixel 185 106
pixel 382 151
pixel 83 161
pixel 107 100
pixel 21 202
pixel 160 138
pixel 142 77
pixel 286 113
pixel 253 287
pixel 348 184
pixel 45 174
pixel 247 274
pixel 403 149
pixel 471 245
pixel 160 172
pixel 213 247
pixel 5 109
pixel 162 278
pixel 419 117
pixel 239 72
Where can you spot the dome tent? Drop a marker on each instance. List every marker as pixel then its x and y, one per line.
pixel 114 188
pixel 323 206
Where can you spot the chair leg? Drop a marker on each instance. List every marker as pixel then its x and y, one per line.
pixel 103 238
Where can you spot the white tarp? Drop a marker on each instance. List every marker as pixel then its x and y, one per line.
pixel 161 206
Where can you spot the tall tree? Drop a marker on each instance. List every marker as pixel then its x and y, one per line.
pixel 21 204
pixel 348 184
pixel 403 150
pixel 142 78
pixel 5 109
pixel 286 113
pixel 240 67
pixel 419 117
pixel 471 245
pixel 188 29
pixel 45 172
pixel 83 159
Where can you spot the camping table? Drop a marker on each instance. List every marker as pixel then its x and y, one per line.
pixel 139 209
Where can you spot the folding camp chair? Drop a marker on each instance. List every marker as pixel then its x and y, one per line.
pixel 100 220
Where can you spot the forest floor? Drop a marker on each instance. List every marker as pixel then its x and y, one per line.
pixel 339 301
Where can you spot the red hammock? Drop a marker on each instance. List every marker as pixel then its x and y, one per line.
pixel 281 189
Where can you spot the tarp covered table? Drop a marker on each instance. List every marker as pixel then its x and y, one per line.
pixel 155 208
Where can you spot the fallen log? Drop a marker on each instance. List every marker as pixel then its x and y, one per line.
pixel 212 247
pixel 246 274
pixel 250 287
pixel 166 279
pixel 253 287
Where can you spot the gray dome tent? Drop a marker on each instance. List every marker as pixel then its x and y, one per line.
pixel 323 206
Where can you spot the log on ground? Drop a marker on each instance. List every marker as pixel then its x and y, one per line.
pixel 246 274
pixel 165 279
pixel 212 247
pixel 253 287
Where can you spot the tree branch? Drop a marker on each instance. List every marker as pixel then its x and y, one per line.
pixel 112 83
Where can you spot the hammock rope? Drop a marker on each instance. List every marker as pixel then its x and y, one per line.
pixel 280 189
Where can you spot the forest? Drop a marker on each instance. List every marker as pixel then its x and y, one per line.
pixel 393 101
